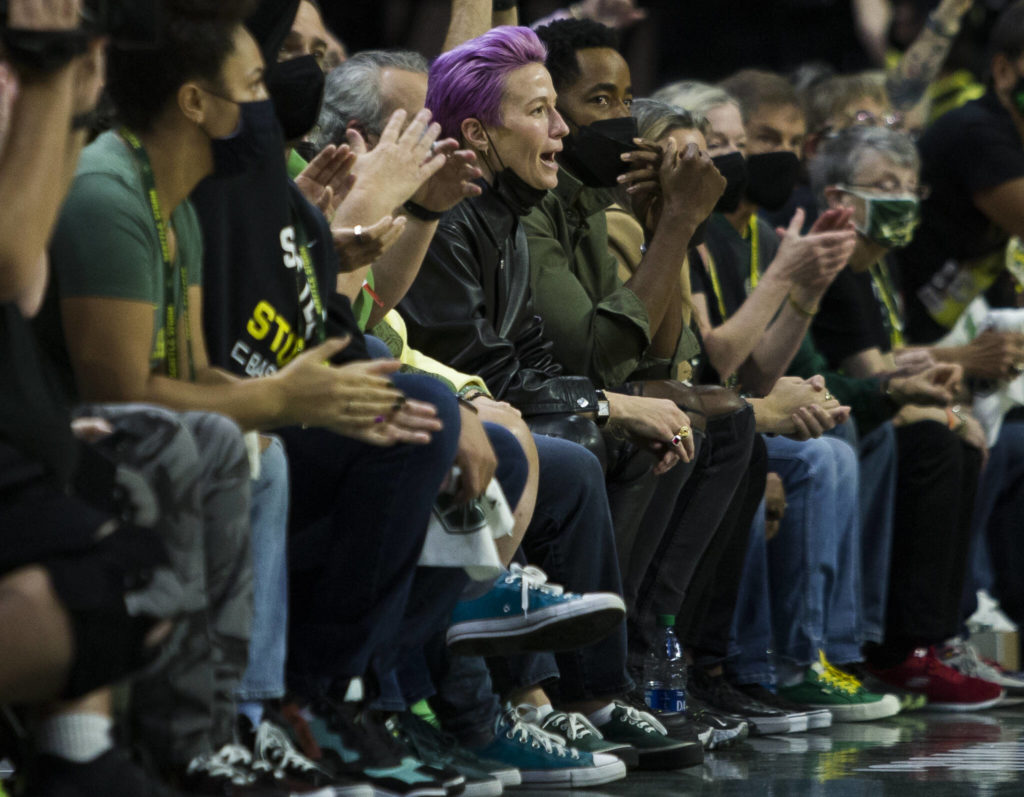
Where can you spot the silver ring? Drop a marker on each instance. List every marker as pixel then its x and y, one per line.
pixel 359 233
pixel 433 149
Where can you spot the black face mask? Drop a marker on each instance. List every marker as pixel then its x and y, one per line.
pixel 733 167
pixel 515 192
pixel 256 140
pixel 519 195
pixel 297 89
pixel 594 151
pixel 772 178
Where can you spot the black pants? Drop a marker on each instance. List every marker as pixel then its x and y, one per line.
pixel 936 482
pixel 359 516
pixel 706 617
pixel 697 516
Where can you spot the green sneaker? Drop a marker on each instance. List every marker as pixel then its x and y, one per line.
pixel 656 749
pixel 579 732
pixel 842 695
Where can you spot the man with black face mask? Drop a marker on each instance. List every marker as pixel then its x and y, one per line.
pixel 614 332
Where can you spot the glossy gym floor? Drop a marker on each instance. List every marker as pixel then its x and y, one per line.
pixel 911 755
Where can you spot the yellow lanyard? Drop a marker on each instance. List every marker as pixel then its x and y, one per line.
pixel 883 282
pixel 716 286
pixel 755 257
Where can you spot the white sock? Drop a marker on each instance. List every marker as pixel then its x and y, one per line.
pixel 253 709
pixel 602 716
pixel 543 711
pixel 355 691
pixel 789 674
pixel 80 738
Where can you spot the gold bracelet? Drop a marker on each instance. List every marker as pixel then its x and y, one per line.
pixel 801 309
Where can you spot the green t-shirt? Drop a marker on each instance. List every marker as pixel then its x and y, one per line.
pixel 106 242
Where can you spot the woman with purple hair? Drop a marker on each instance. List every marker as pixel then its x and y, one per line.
pixel 471 308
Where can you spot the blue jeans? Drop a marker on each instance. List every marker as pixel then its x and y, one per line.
pixel 812 566
pixel 268 645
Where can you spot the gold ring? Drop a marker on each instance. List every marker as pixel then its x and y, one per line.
pixel 828 396
pixel 684 432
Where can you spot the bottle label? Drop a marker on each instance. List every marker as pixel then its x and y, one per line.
pixel 665 699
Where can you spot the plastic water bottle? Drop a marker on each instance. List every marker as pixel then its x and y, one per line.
pixel 665 670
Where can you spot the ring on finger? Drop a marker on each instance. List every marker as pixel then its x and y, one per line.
pixel 359 233
pixel 829 396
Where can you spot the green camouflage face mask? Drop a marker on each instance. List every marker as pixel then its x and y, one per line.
pixel 890 220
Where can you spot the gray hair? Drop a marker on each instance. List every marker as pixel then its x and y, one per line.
pixel 353 93
pixel 841 156
pixel 695 96
pixel 657 119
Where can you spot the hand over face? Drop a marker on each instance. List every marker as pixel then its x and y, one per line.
pixel 690 181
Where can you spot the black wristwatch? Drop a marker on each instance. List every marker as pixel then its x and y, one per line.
pixel 604 409
pixel 418 211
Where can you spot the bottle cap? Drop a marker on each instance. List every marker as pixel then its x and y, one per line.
pixel 666 620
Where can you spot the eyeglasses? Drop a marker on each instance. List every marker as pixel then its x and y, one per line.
pixel 863 118
pixel 891 187
pixel 868 119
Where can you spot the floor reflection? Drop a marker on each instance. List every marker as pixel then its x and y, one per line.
pixel 908 756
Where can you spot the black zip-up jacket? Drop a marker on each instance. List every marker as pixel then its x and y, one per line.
pixel 470 307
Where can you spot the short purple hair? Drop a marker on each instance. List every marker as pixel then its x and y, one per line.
pixel 469 81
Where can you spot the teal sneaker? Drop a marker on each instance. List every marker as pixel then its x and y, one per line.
pixel 523 613
pixel 543 761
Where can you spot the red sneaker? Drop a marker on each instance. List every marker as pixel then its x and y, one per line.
pixel 945 688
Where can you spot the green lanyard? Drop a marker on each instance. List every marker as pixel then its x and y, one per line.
pixel 883 282
pixel 311 280
pixel 170 304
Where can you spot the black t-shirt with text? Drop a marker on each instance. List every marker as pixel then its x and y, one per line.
pixel 259 312
pixel 957 251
